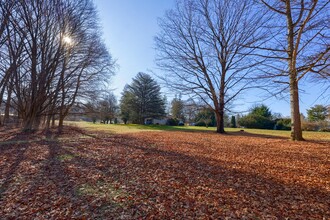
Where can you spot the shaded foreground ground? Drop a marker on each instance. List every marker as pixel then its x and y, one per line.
pixel 162 175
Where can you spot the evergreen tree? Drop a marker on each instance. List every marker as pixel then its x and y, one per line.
pixel 233 122
pixel 317 113
pixel 142 99
pixel 261 110
pixel 259 117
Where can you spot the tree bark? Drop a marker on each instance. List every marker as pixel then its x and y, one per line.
pixel 220 124
pixel 29 121
pixel 296 132
pixel 53 120
pixel 7 107
pixel 60 123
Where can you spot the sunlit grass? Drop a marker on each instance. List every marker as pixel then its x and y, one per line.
pixel 65 157
pixel 116 195
pixel 309 135
pixel 131 128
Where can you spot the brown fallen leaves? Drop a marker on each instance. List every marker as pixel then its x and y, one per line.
pixel 162 175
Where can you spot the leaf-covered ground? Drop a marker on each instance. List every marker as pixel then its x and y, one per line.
pixel 162 175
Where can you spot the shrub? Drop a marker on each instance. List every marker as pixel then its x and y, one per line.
pixel 205 123
pixel 325 129
pixel 309 126
pixel 256 121
pixel 181 123
pixel 316 126
pixel 172 122
pixel 200 123
pixel 324 126
pixel 283 124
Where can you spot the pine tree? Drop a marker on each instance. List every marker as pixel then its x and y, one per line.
pixel 233 122
pixel 142 99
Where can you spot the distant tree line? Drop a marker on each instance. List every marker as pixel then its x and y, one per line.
pixel 260 116
pixel 142 100
pixel 51 55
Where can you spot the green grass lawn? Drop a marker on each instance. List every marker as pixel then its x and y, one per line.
pixel 131 128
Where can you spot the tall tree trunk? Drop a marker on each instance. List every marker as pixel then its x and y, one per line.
pixel 60 123
pixel 7 107
pixel 53 120
pixel 62 111
pixel 2 91
pixel 28 124
pixel 220 123
pixel 47 123
pixel 220 107
pixel 29 121
pixel 296 132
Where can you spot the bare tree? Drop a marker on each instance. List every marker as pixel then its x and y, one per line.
pixel 54 54
pixel 190 109
pixel 4 17
pixel 87 63
pixel 299 45
pixel 10 53
pixel 177 107
pixel 202 47
pixel 108 107
pixel 5 11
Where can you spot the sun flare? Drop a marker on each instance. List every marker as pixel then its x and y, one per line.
pixel 68 40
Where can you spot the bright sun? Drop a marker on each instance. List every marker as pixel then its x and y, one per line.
pixel 67 40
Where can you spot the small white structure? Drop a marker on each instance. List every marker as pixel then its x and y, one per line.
pixel 154 121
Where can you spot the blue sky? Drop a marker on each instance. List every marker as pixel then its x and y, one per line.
pixel 129 27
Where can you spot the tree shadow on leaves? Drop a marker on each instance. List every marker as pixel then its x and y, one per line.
pixel 227 189
pixel 10 148
pixel 121 176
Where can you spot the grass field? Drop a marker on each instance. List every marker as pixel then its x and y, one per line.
pixel 130 128
pixel 158 172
